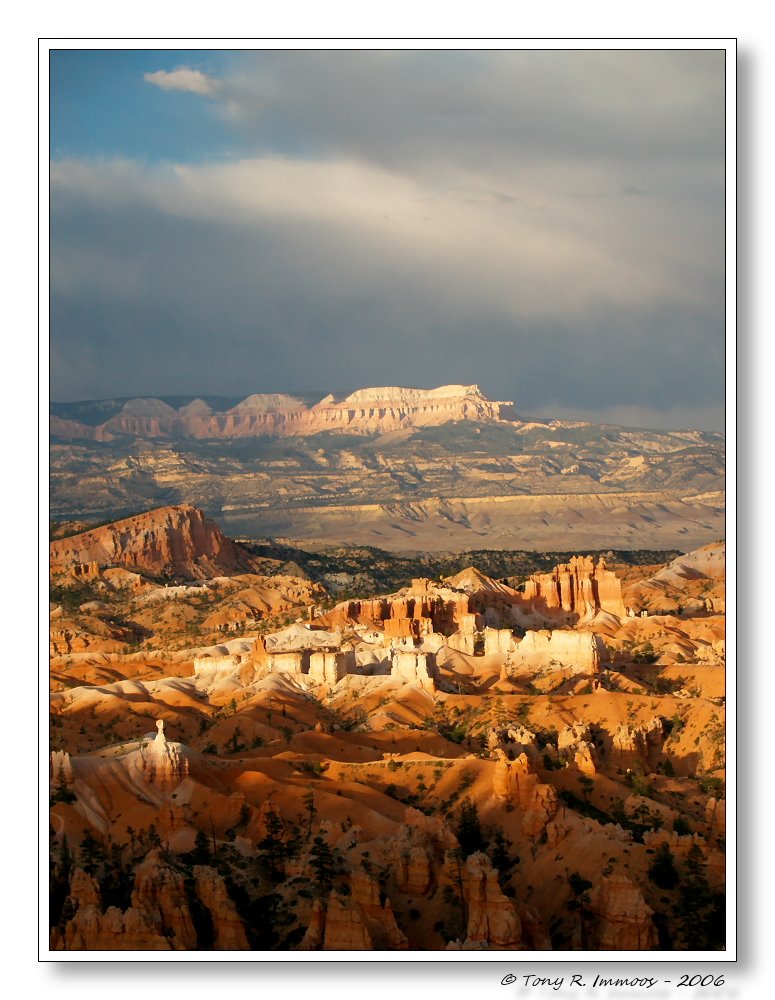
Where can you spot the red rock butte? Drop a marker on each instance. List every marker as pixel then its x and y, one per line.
pixel 179 541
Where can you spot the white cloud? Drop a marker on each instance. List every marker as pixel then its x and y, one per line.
pixel 184 78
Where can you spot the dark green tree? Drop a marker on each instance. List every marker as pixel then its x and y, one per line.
pixel 701 909
pixel 323 865
pixel 271 847
pixel 91 854
pixel 62 793
pixel 500 857
pixel 310 809
pixel 65 858
pixel 468 829
pixel 201 853
pixel 662 870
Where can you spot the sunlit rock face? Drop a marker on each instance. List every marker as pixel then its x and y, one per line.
pixel 366 411
pixel 581 586
pixel 178 540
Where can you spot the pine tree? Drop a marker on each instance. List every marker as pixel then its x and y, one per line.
pixel 322 864
pixel 201 850
pixel 662 870
pixel 91 854
pixel 272 846
pixel 309 805
pixel 469 830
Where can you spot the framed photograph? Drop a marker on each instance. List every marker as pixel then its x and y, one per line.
pixel 389 395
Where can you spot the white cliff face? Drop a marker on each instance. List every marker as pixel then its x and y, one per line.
pixel 580 652
pixel 413 666
pixel 396 394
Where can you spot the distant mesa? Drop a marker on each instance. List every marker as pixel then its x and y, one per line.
pixel 366 411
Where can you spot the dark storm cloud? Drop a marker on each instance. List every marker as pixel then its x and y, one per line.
pixel 551 228
pixel 410 107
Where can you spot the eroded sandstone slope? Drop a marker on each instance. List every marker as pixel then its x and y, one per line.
pixel 462 764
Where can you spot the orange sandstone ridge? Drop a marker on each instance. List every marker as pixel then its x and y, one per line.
pixel 175 541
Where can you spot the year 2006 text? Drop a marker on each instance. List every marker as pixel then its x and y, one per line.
pixel 642 982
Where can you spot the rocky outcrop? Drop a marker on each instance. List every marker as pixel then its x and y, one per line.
pixel 414 613
pixel 499 641
pixel 159 893
pixel 413 871
pixel 158 919
pixel 416 849
pixel 575 652
pixel 89 929
pixel 163 762
pixel 313 937
pixel 366 411
pixel 356 922
pixel 715 815
pixel 513 738
pixel 60 767
pixel 178 541
pixel 378 917
pixel 329 667
pixel 228 928
pixel 493 921
pixel 576 746
pixel 638 747
pixel 345 928
pixel 92 635
pixel 414 667
pixel 515 781
pixel 623 920
pixel 580 587
pixel 535 934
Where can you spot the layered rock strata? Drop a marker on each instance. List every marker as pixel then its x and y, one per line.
pixel 581 587
pixel 367 411
pixel 176 541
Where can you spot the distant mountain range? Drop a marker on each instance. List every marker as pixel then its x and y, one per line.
pixel 366 411
pixel 401 469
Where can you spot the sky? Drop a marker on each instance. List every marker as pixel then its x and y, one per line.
pixel 547 224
